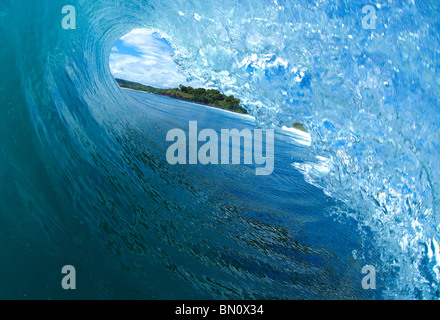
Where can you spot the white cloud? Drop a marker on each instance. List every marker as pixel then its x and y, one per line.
pixel 144 57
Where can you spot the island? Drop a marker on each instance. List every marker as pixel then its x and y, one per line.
pixel 298 126
pixel 210 97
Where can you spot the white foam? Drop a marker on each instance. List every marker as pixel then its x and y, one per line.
pixel 299 136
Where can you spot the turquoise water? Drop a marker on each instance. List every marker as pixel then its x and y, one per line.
pixel 84 179
pixel 152 230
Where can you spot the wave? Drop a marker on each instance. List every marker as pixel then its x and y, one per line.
pixel 368 97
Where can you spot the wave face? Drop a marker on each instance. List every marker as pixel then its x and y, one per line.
pixel 369 97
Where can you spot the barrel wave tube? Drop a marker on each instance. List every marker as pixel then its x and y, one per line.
pixel 84 180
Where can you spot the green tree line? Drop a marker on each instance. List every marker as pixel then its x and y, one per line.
pixel 209 97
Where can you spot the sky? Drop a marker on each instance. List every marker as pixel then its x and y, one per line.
pixel 144 56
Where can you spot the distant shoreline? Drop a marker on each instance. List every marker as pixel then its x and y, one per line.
pixel 200 104
pixel 198 96
pixel 210 98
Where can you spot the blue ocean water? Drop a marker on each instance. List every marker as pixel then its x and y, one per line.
pixel 84 179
